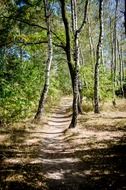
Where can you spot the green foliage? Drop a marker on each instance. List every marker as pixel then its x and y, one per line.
pixel 63 77
pixel 22 75
pixel 87 81
pixel 60 81
pixel 19 88
pixel 87 76
pixel 54 93
pixel 105 84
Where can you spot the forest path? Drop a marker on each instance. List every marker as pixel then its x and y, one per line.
pixel 48 156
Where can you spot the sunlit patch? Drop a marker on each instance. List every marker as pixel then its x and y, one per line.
pixel 15 160
pixel 31 141
pixel 82 173
pixel 94 139
pixel 87 172
pixel 36 161
pixel 61 160
pixel 108 136
pixel 15 177
pixel 55 175
pixel 99 145
pixel 3 138
pixel 106 172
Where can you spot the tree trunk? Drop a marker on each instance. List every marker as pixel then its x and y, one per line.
pixel 77 88
pixel 114 52
pixel 76 65
pixel 120 67
pixel 123 65
pixel 91 45
pixel 48 63
pixel 98 53
pixel 68 49
pixel 68 41
pixel 111 45
pixel 125 17
pixel 73 68
pixel 112 58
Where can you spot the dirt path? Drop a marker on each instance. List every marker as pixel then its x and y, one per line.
pixel 46 156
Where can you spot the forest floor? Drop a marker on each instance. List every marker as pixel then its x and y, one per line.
pixel 47 156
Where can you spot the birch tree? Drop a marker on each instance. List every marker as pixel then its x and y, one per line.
pixel 76 67
pixel 120 66
pixel 48 62
pixel 76 32
pixel 115 46
pixel 73 62
pixel 125 18
pixel 114 51
pixel 98 54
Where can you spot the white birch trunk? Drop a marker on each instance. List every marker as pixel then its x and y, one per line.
pixel 76 32
pixel 48 63
pixel 98 54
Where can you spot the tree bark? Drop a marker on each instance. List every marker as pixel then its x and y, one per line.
pixel 91 45
pixel 115 45
pixel 114 52
pixel 125 17
pixel 76 32
pixel 68 49
pixel 120 66
pixel 111 46
pixel 73 68
pixel 68 41
pixel 98 53
pixel 123 65
pixel 76 67
pixel 48 63
pixel 112 58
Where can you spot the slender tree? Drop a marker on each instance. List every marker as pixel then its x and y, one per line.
pixel 114 51
pixel 68 40
pixel 76 67
pixel 120 66
pixel 48 62
pixel 91 44
pixel 115 46
pixel 76 32
pixel 98 53
pixel 125 17
pixel 111 45
pixel 73 68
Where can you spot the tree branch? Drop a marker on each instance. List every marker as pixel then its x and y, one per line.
pixel 26 22
pixel 5 43
pixel 41 42
pixel 32 43
pixel 84 19
pixel 39 26
pixel 58 38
